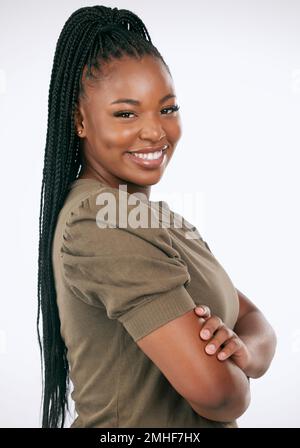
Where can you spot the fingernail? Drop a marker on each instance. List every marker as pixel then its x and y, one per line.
pixel 222 355
pixel 200 309
pixel 205 334
pixel 210 348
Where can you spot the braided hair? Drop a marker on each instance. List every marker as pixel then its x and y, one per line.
pixel 90 36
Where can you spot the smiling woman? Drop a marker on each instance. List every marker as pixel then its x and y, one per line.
pixel 117 302
pixel 134 144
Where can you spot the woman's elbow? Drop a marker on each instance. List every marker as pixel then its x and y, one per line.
pixel 235 404
pixel 229 400
pixel 225 411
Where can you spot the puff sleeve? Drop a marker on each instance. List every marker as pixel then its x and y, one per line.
pixel 134 273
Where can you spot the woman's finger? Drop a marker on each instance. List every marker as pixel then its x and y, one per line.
pixel 203 311
pixel 220 337
pixel 210 326
pixel 230 348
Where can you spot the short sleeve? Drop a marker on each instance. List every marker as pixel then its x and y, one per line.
pixel 134 273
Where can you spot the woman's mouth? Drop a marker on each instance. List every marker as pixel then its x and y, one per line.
pixel 148 160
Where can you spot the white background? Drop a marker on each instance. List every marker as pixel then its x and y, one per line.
pixel 236 68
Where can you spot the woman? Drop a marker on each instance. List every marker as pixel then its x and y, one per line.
pixel 119 301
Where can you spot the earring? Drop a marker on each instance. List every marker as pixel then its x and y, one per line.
pixel 79 132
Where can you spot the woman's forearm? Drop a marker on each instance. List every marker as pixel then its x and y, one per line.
pixel 260 338
pixel 235 398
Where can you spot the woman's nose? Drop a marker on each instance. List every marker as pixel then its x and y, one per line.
pixel 152 130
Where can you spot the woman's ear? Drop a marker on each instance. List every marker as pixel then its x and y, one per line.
pixel 78 120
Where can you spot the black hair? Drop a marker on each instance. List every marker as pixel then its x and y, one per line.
pixel 90 36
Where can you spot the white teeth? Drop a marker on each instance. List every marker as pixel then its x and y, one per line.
pixel 150 156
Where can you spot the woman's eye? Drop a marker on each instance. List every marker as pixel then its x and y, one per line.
pixel 120 114
pixel 172 109
pixel 124 114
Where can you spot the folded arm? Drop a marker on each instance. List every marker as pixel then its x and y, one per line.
pixel 259 336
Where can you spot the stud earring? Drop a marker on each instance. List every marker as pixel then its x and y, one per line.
pixel 79 132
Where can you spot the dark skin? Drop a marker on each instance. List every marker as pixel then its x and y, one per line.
pixel 107 138
pixel 105 141
pixel 252 342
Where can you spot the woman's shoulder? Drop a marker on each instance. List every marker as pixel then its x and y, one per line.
pixel 95 214
pixel 111 207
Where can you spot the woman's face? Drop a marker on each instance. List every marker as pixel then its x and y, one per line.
pixel 111 128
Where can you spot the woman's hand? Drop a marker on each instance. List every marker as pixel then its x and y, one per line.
pixel 222 341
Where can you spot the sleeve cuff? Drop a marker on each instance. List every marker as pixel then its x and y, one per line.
pixel 160 309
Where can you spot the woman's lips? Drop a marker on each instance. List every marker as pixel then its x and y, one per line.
pixel 147 163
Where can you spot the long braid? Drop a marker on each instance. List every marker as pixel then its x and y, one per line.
pixel 89 36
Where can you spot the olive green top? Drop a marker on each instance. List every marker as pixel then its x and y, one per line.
pixel 116 283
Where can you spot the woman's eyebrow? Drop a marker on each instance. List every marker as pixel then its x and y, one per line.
pixel 136 102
